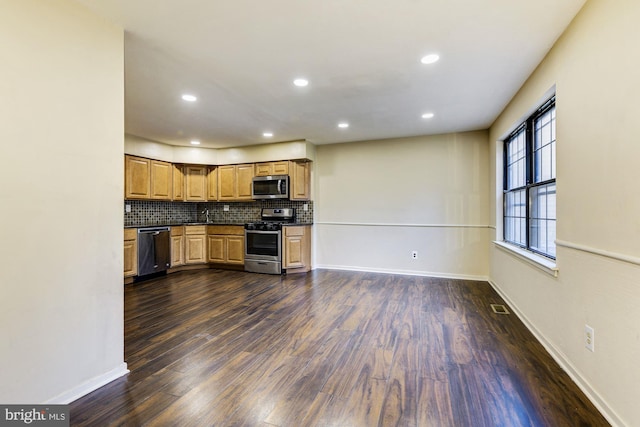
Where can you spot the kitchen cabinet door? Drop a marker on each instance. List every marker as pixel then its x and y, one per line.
pixel 226 244
pixel 178 182
pixel 227 182
pixel 272 168
pixel 216 248
pixel 130 252
pixel 195 240
pixel 177 251
pixel 299 173
pixel 161 180
pixel 235 250
pixel 196 183
pixel 296 248
pixel 244 179
pixel 212 183
pixel 264 169
pixel 137 174
pixel 234 182
pixel 281 168
pixel 177 246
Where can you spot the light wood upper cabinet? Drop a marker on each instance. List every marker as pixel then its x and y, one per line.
pixel 137 177
pixel 281 168
pixel 244 174
pixel 264 169
pixel 195 183
pixel 147 179
pixel 226 182
pixel 161 180
pixel 297 248
pixel 234 182
pixel 300 177
pixel 130 252
pixel 212 183
pixel 158 180
pixel 272 168
pixel 178 182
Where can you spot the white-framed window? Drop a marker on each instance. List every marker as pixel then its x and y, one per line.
pixel 530 182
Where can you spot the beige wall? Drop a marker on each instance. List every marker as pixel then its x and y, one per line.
pixel 377 201
pixel 595 67
pixel 61 302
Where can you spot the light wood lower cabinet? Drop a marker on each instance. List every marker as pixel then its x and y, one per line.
pixel 195 249
pixel 225 244
pixel 177 246
pixel 130 252
pixel 296 253
pixel 235 250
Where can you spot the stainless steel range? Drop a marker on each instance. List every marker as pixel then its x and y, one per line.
pixel 263 241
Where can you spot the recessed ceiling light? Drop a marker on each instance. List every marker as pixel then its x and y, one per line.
pixel 427 115
pixel 301 82
pixel 194 142
pixel 190 98
pixel 430 59
pixel 267 134
pixel 343 125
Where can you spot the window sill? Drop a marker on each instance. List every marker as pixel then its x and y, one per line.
pixel 545 264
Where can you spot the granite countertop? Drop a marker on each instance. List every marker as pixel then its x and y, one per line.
pixel 178 224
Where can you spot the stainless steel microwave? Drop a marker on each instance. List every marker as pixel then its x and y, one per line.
pixel 270 187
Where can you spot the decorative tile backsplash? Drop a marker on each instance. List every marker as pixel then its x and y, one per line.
pixel 145 212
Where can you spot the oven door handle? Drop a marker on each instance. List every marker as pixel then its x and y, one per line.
pixel 263 232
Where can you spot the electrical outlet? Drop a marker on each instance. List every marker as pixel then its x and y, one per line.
pixel 127 208
pixel 414 254
pixel 589 338
pixel 225 208
pixel 305 207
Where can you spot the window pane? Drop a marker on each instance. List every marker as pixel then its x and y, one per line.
pixel 542 225
pixel 516 161
pixel 515 217
pixel 544 138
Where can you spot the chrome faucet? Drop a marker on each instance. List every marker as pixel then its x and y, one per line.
pixel 206 213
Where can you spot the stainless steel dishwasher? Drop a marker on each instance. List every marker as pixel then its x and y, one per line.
pixel 154 251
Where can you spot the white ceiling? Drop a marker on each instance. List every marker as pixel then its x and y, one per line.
pixel 362 58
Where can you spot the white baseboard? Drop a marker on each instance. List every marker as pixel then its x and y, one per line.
pixel 564 363
pixel 403 272
pixel 89 386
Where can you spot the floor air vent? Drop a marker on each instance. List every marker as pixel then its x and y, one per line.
pixel 499 309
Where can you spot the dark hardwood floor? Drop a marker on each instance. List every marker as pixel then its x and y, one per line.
pixel 329 348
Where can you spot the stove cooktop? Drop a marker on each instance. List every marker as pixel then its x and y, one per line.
pixel 264 226
pixel 277 217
